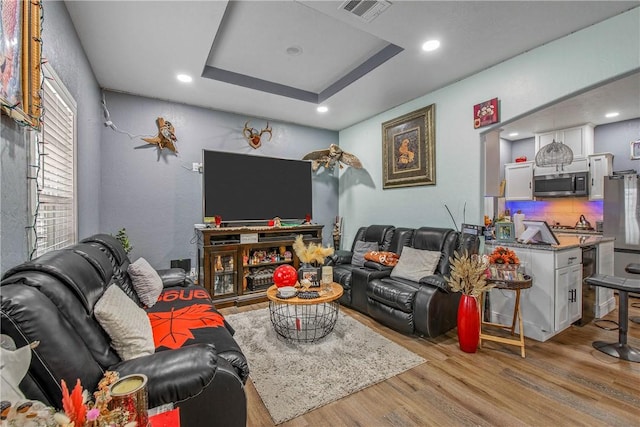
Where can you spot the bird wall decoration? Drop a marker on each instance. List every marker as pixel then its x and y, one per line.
pixel 166 137
pixel 330 157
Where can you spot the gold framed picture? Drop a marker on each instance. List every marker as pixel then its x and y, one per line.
pixel 20 59
pixel 409 149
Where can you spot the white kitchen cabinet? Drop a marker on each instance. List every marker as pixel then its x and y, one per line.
pixel 600 166
pixel 546 306
pixel 519 181
pixel 579 139
pixel 578 165
pixel 568 296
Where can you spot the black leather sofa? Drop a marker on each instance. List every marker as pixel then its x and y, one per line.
pixel 426 307
pixel 51 300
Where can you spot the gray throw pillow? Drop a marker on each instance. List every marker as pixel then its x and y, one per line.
pixel 146 281
pixel 414 264
pixel 126 324
pixel 359 249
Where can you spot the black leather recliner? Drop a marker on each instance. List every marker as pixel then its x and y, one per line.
pixel 426 307
pixel 341 259
pixel 51 300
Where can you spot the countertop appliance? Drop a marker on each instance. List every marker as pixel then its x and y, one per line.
pixel 561 185
pixel 622 219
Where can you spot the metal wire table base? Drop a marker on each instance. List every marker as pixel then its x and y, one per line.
pixel 303 322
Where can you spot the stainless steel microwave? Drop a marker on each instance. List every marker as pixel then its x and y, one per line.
pixel 562 185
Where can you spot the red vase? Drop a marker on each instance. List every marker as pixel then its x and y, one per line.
pixel 468 324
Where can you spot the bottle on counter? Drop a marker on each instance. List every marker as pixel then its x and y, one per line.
pixel 518 222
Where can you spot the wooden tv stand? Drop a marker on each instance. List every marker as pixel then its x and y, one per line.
pixel 235 264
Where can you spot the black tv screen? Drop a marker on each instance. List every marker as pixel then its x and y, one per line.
pixel 244 188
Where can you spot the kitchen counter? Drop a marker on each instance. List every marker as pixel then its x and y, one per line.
pixel 567 241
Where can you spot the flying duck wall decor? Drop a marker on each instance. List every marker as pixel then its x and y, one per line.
pixel 330 157
pixel 166 137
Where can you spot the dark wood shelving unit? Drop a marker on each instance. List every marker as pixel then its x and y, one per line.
pixel 235 264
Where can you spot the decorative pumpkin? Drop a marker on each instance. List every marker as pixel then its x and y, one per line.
pixel 285 275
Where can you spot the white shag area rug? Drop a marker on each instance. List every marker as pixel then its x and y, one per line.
pixel 294 378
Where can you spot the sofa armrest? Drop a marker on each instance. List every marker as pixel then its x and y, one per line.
pixel 174 375
pixel 436 280
pixel 174 277
pixel 360 277
pixel 340 257
pixel 372 265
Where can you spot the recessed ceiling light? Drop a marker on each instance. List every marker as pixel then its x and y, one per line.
pixel 430 45
pixel 513 134
pixel 612 114
pixel 184 78
pixel 322 109
pixel 294 50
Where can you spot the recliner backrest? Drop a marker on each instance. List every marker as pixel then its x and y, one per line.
pixel 444 240
pixel 28 315
pixel 119 260
pixel 401 237
pixel 73 285
pixel 382 234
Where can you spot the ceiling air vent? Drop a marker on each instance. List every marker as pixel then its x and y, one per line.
pixel 367 10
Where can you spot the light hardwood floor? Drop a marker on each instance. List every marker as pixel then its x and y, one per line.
pixel 563 381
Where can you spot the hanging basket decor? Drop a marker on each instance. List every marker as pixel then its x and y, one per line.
pixel 555 154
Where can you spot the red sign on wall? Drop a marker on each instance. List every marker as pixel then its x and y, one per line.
pixel 485 113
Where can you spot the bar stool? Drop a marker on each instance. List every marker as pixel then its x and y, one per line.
pixel 633 268
pixel 620 349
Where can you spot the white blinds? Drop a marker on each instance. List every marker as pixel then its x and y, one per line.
pixel 56 219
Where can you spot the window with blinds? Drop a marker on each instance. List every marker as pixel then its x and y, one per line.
pixel 55 204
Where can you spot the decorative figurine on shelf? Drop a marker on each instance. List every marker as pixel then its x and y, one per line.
pixel 253 136
pixel 277 222
pixel 166 135
pixel 330 157
pixel 337 232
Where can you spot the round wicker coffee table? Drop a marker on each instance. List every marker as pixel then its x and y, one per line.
pixel 302 319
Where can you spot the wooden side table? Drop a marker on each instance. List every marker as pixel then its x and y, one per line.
pixel 512 285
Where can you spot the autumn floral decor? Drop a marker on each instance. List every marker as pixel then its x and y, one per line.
pixel 503 264
pixel 80 411
pixel 502 255
pixel 468 274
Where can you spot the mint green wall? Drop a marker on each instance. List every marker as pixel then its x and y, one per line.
pixel 522 84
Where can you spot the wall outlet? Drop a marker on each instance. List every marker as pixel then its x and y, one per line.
pixel 193 272
pixel 196 167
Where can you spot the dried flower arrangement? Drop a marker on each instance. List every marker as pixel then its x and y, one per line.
pixel 312 253
pixel 502 255
pixel 80 411
pixel 468 274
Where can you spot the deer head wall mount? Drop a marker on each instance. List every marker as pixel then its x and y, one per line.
pixel 254 136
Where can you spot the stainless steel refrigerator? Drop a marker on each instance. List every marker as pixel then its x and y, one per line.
pixel 621 219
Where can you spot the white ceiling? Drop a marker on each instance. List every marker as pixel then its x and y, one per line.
pixel 139 47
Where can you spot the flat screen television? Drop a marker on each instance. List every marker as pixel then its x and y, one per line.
pixel 243 188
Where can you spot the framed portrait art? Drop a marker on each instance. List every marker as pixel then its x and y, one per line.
pixel 409 149
pixel 20 57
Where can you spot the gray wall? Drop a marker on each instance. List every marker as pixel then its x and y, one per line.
pixel 13 194
pixel 63 51
pixel 158 198
pixel 616 138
